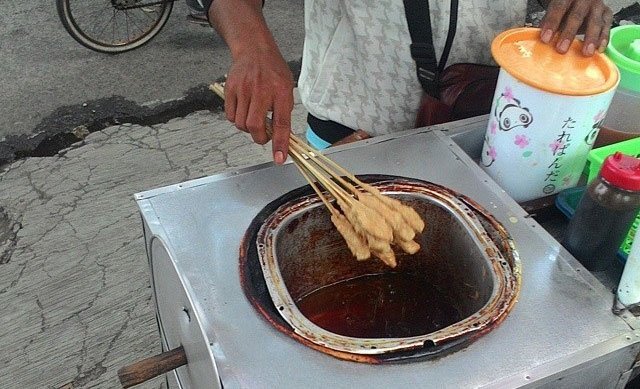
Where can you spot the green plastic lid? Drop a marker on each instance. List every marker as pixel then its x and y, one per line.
pixel 624 51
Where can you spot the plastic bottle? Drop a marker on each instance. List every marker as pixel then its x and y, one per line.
pixel 628 294
pixel 623 116
pixel 605 212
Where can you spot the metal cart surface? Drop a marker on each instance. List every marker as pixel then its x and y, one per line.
pixel 561 332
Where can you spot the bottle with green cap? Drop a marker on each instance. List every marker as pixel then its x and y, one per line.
pixel 624 51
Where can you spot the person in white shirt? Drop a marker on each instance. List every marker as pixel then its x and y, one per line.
pixel 357 70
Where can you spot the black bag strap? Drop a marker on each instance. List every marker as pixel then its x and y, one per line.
pixel 422 49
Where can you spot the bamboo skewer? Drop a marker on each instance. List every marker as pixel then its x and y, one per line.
pixel 356 243
pixel 354 210
pixel 324 181
pixel 313 185
pixel 370 222
pixel 408 213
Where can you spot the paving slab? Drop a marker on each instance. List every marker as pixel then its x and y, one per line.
pixel 75 292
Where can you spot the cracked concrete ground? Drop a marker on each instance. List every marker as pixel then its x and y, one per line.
pixel 75 294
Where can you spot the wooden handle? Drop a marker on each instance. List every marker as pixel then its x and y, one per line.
pixel 149 368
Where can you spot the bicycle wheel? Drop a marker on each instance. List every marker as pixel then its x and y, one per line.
pixel 113 26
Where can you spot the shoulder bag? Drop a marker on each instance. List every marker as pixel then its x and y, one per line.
pixel 455 92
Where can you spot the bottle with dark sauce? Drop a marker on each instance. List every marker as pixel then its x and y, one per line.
pixel 605 213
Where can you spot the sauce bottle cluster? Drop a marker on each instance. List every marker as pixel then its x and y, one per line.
pixel 605 213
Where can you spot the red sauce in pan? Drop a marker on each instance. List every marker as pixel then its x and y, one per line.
pixel 388 305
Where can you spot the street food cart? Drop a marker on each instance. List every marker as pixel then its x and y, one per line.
pixel 560 332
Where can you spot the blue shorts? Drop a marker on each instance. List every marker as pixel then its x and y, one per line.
pixel 315 141
pixel 323 133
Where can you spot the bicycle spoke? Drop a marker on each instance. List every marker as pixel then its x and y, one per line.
pixel 115 23
pixel 99 15
pixel 126 18
pixel 146 15
pixel 106 25
pixel 142 20
pixel 133 20
pixel 127 26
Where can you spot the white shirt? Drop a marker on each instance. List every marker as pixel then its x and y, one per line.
pixel 357 69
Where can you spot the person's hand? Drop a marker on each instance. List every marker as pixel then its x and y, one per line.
pixel 260 81
pixel 567 17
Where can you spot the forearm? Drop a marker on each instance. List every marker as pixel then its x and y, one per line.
pixel 242 25
pixel 259 80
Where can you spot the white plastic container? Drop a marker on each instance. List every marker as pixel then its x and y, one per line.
pixel 629 286
pixel 546 114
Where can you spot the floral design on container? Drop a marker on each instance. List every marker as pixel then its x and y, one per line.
pixel 508 114
pixel 489 153
pixel 595 129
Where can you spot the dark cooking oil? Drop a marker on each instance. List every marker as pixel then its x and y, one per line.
pixel 388 305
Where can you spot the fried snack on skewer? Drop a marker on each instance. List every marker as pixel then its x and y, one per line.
pixel 403 234
pixel 379 247
pixel 408 246
pixel 388 257
pixel 408 214
pixel 367 221
pixel 356 243
pixel 401 229
pixel 379 243
pixel 382 250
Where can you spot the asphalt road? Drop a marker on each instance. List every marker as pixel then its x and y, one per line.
pixel 46 76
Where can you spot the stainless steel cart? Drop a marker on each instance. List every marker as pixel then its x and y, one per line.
pixel 561 332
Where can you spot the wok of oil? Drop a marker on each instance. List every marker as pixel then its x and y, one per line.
pixel 387 305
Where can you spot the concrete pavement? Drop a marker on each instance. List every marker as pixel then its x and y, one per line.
pixel 75 295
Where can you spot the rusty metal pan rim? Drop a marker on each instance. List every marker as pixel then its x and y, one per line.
pixel 496 307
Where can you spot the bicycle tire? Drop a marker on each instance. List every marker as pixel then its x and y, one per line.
pixel 70 24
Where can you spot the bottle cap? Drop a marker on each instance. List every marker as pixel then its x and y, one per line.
pixel 622 171
pixel 521 53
